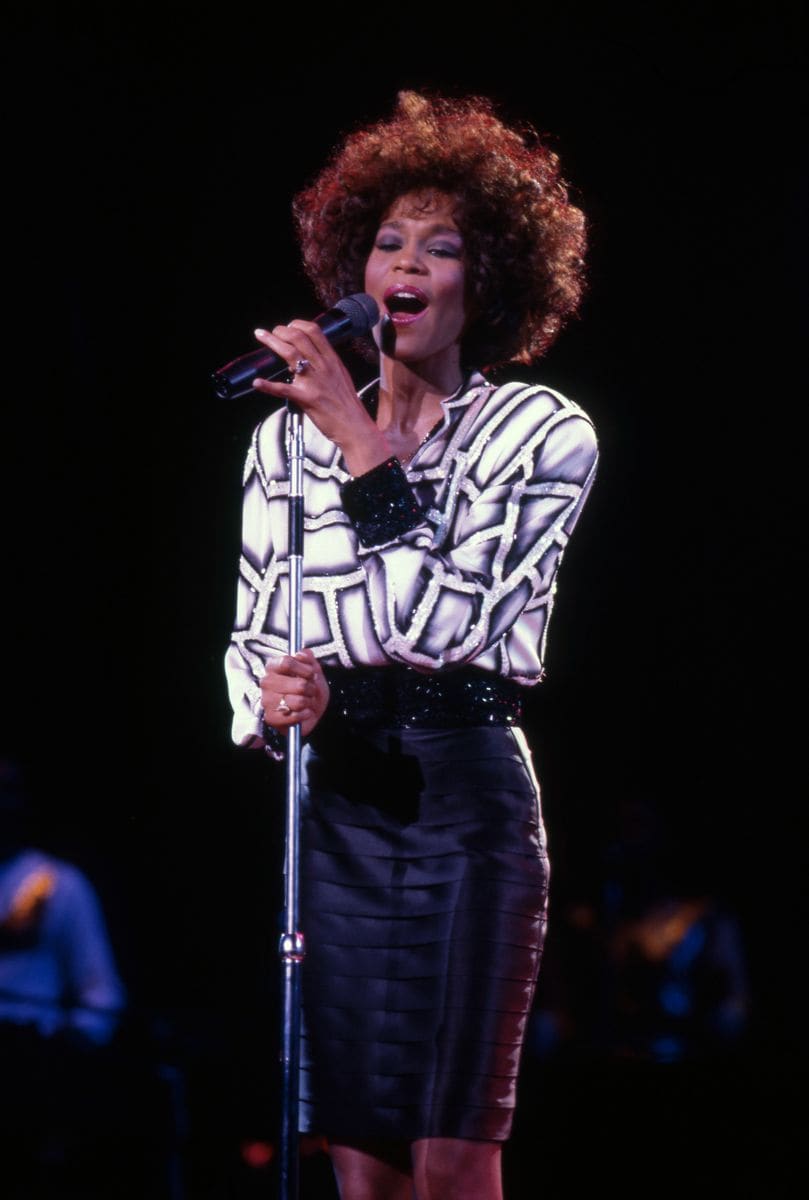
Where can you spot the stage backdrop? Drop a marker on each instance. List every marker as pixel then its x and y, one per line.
pixel 150 167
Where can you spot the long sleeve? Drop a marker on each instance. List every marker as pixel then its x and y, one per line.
pixel 245 661
pixel 453 563
pixel 446 590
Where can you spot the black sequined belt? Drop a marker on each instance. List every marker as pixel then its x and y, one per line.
pixel 398 697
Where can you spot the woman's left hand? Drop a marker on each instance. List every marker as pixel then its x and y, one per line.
pixel 323 389
pixel 294 692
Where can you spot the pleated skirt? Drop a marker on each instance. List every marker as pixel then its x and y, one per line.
pixel 424 878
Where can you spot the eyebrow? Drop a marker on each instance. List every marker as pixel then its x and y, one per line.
pixel 431 230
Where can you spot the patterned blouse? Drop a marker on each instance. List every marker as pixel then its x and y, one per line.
pixel 450 563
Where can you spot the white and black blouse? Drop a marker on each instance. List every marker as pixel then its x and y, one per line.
pixel 450 563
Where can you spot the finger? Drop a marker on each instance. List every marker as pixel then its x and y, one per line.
pixel 286 704
pixel 308 337
pixel 280 710
pixel 297 665
pixel 283 391
pixel 282 720
pixel 276 342
pixel 277 677
pixel 312 661
pixel 294 692
pixel 287 667
pixel 298 684
pixel 286 708
pixel 319 343
pixel 320 684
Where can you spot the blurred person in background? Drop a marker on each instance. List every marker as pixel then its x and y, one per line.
pixel 61 1002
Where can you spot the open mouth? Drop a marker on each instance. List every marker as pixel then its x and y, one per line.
pixel 405 304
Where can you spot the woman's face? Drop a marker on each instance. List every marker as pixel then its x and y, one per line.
pixel 416 273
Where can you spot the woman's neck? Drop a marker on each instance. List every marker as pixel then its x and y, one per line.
pixel 410 398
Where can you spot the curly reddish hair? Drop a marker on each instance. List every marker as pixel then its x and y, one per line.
pixel 524 239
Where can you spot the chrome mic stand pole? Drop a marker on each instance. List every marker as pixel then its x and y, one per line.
pixel 291 947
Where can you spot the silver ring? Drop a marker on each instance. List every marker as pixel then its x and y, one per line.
pixel 301 365
pixel 283 707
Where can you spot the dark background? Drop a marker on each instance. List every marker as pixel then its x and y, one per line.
pixel 150 164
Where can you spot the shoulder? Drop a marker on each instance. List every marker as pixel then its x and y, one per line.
pixel 519 419
pixel 71 884
pixel 36 878
pixel 268 446
pixel 536 403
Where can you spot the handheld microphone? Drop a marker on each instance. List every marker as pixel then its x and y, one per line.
pixel 353 316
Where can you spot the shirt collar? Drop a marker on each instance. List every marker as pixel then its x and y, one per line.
pixel 472 382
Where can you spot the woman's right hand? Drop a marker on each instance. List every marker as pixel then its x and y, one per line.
pixel 324 391
pixel 299 686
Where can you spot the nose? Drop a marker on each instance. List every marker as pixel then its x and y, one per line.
pixel 409 261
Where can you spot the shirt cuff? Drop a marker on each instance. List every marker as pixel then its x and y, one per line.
pixel 245 727
pixel 380 504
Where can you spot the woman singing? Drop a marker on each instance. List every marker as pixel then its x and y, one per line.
pixel 437 509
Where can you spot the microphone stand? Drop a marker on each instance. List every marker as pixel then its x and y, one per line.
pixel 291 947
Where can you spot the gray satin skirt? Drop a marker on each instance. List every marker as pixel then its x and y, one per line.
pixel 424 879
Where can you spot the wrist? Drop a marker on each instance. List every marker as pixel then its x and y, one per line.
pixel 369 452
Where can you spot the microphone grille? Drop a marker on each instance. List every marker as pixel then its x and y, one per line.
pixel 362 311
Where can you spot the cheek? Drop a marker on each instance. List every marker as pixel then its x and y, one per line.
pixel 371 273
pixel 458 303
